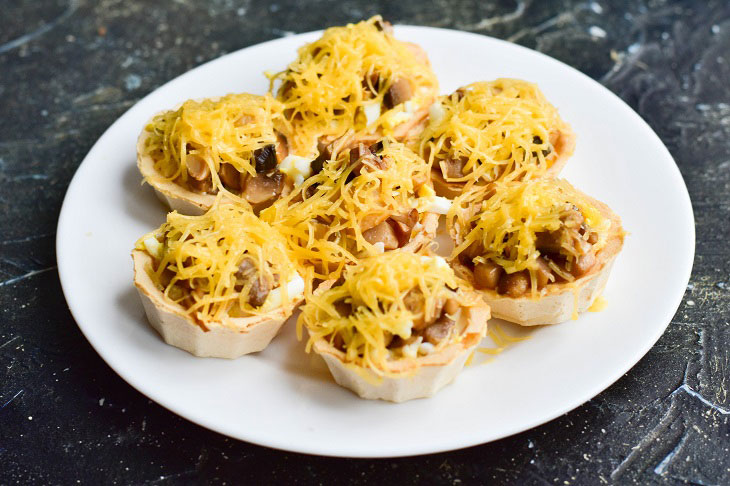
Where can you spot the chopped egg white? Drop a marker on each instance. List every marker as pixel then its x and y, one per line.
pixel 294 288
pixel 436 113
pixel 425 348
pixel 153 247
pixel 296 167
pixel 411 350
pixel 439 205
pixel 372 112
pixel 397 118
pixel 379 247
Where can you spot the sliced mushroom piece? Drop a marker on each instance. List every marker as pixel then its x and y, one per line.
pixel 514 284
pixel 260 288
pixel 262 188
pixel 414 302
pixel 453 168
pixel 403 225
pixel 451 306
pixel 583 265
pixel 371 83
pixel 230 177
pixel 359 152
pixel 384 26
pixel 246 269
pixel 382 233
pixel 487 275
pixel 282 147
pixel 439 330
pixel 543 274
pixel 197 167
pixel 548 241
pixel 400 91
pixel 265 158
pixel 377 147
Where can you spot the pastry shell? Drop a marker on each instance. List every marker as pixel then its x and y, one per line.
pixel 559 301
pixel 231 338
pixel 413 377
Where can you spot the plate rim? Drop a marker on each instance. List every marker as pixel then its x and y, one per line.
pixel 315 449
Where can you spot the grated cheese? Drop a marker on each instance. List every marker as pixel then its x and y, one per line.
pixel 375 288
pixel 322 219
pixel 224 130
pixel 499 128
pixel 327 90
pixel 506 223
pixel 205 251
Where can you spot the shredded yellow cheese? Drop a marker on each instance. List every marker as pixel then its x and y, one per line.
pixel 328 89
pixel 322 219
pixel 506 224
pixel 223 130
pixel 205 252
pixel 375 289
pixel 501 129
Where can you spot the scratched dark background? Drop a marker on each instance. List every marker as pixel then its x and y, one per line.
pixel 69 68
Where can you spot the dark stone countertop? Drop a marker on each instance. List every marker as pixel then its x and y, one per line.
pixel 69 68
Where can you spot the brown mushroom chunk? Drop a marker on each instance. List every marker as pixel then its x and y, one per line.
pixel 453 168
pixel 403 225
pixel 260 288
pixel 451 306
pixel 439 330
pixel 543 273
pixel 265 158
pixel 230 177
pixel 583 265
pixel 382 233
pixel 262 188
pixel 400 90
pixel 514 284
pixel 384 26
pixel 199 173
pixel 486 275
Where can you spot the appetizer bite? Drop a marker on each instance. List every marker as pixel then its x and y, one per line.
pixel 538 251
pixel 217 285
pixel 489 131
pixel 400 326
pixel 232 144
pixel 357 80
pixel 362 202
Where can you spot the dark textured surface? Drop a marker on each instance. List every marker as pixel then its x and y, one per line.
pixel 69 68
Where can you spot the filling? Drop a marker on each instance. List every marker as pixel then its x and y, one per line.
pixel 360 202
pixel 488 131
pixel 227 144
pixel 529 235
pixel 387 308
pixel 225 263
pixel 357 77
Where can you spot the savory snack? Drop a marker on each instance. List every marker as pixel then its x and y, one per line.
pixel 357 81
pixel 539 251
pixel 218 285
pixel 362 202
pixel 234 144
pixel 400 326
pixel 498 130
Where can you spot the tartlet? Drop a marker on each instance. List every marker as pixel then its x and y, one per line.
pixel 400 326
pixel 540 251
pixel 358 82
pixel 235 144
pixel 213 284
pixel 489 131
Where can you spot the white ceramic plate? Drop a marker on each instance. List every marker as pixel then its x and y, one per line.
pixel 284 398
